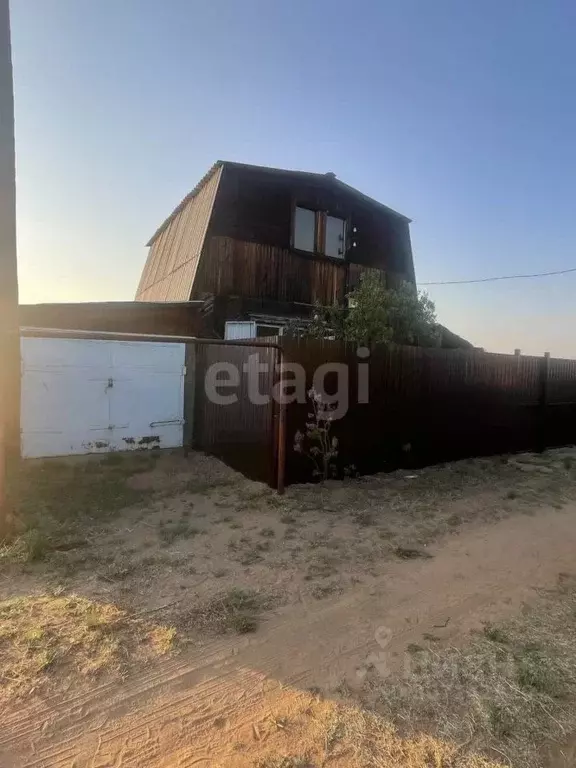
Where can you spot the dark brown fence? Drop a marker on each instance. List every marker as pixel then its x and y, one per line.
pixel 432 405
pixel 243 432
pixel 424 406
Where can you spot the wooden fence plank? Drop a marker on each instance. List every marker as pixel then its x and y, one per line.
pixel 240 433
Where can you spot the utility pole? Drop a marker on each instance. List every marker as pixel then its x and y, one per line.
pixel 9 337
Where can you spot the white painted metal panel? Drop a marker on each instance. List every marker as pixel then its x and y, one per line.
pixel 147 355
pixel 85 395
pixel 64 399
pixel 241 329
pixel 58 354
pixel 147 402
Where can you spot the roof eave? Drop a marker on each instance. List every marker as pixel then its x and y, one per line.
pixel 373 201
pixel 321 177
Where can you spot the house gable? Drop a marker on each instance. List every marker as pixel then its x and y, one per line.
pixel 233 235
pixel 176 246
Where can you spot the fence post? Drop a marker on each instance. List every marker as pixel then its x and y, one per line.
pixel 543 403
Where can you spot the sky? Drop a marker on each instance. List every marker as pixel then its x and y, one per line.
pixel 461 115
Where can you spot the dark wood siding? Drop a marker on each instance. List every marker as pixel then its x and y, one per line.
pixel 233 236
pixel 232 267
pixel 256 205
pixel 252 206
pixel 179 319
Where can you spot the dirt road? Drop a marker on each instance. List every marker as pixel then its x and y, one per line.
pixel 210 705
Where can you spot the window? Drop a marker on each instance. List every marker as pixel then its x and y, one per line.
pixel 316 232
pixel 305 230
pixel 250 329
pixel 335 240
pixel 240 329
pixel 268 330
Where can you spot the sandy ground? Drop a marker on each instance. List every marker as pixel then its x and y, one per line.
pixel 225 702
pixel 200 530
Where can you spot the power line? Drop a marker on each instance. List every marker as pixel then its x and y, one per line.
pixel 502 277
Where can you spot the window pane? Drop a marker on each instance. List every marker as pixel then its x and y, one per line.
pixel 267 330
pixel 304 229
pixel 335 237
pixel 240 329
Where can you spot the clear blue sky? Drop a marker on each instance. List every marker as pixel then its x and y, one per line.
pixel 462 115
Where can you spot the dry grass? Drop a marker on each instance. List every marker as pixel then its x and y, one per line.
pixel 57 502
pixel 511 692
pixel 303 731
pixel 44 638
pixel 236 610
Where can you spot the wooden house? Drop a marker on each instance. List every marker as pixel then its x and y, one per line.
pixel 262 245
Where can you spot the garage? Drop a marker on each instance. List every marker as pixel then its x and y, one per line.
pixel 91 396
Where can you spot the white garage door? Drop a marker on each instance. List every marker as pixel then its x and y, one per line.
pixel 88 396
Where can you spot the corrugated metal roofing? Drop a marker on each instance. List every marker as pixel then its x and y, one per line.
pixel 176 246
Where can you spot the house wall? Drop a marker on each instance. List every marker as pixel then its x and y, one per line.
pixel 233 237
pixel 248 248
pixel 256 205
pixel 180 318
pixel 231 267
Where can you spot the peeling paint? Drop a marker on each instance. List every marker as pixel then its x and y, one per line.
pixel 145 443
pixel 148 440
pixel 96 445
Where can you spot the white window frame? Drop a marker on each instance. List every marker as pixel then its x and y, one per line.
pixel 279 328
pixel 298 243
pixel 321 219
pixel 341 236
pixel 249 326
